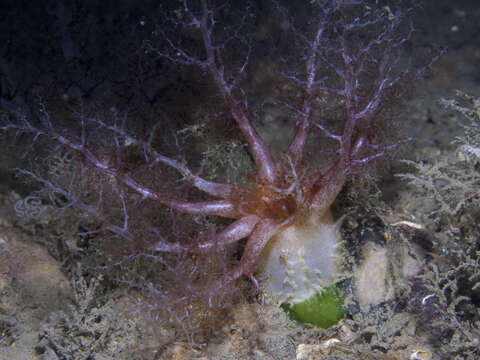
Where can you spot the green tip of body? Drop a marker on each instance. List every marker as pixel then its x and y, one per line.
pixel 323 309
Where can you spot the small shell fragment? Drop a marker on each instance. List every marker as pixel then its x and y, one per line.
pixel 330 342
pixel 420 354
pixel 409 224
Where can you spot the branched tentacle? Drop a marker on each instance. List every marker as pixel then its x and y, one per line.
pixel 260 152
pixel 238 230
pixel 91 210
pixel 222 208
pixel 296 147
pixel 153 157
pixel 263 231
